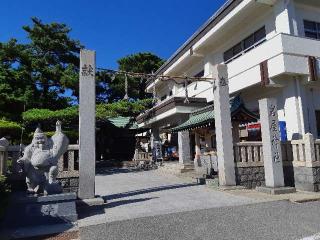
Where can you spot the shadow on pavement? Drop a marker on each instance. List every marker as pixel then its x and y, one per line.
pixel 88 211
pixel 129 201
pixel 112 171
pixel 148 190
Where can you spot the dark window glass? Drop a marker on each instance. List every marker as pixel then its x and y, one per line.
pixel 163 97
pixel 228 54
pixel 170 93
pixel 200 74
pixel 308 25
pixel 248 42
pixel 245 45
pixel 312 29
pixel 311 35
pixel 260 34
pixel 318 122
pixel 237 49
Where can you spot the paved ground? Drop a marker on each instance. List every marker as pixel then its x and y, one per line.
pixel 140 194
pixel 272 220
pixel 154 205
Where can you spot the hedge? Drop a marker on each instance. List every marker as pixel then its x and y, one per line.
pixel 69 116
pixel 11 129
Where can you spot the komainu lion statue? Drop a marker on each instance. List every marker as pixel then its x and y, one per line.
pixel 40 160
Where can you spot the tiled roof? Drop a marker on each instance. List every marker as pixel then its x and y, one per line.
pixel 205 116
pixel 123 122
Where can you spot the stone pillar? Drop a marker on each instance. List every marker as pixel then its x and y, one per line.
pixel 223 127
pixel 184 148
pixel 87 120
pixel 272 155
pixel 155 136
pixel 4 143
pixel 235 132
pixel 197 142
pixel 309 150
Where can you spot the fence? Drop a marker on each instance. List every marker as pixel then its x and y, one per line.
pixel 306 152
pixel 3 160
pixel 248 154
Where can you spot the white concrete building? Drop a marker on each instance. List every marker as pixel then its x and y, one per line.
pixel 271 49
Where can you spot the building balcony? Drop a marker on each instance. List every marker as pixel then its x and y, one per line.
pixel 283 55
pixel 174 110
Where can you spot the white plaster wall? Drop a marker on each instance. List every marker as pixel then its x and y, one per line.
pixel 305 12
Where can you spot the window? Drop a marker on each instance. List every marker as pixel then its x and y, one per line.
pixel 260 35
pixel 199 74
pixel 318 122
pixel 163 97
pixel 245 45
pixel 249 42
pixel 311 29
pixel 170 93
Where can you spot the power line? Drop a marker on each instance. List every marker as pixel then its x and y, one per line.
pixel 154 76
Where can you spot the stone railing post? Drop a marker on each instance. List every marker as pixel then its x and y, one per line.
pixel 3 160
pixel 310 156
pixel 3 155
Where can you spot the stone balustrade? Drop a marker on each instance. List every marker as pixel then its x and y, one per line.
pixel 306 152
pixel 248 154
pixel 249 164
pixel 68 166
pixel 249 168
pixel 3 160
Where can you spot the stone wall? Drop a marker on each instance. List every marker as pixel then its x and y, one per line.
pixel 307 178
pixel 250 177
pixel 69 184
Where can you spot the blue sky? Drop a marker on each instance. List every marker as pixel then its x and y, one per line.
pixel 114 28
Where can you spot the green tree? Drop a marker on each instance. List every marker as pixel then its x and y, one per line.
pixel 37 74
pixel 139 62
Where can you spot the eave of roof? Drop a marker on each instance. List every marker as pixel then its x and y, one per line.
pixel 205 116
pixel 205 28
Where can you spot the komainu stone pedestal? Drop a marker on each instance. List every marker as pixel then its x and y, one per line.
pixel 27 215
pixel 51 209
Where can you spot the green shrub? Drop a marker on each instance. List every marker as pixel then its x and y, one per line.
pixel 4 194
pixel 11 129
pixel 69 116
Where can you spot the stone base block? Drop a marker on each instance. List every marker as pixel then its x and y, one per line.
pixel 97 201
pixel 28 212
pixel 177 168
pixel 276 191
pixel 230 188
pixel 309 187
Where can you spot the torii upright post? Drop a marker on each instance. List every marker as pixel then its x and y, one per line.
pixel 223 126
pixel 87 125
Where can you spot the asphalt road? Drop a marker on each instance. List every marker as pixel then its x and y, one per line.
pixel 271 220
